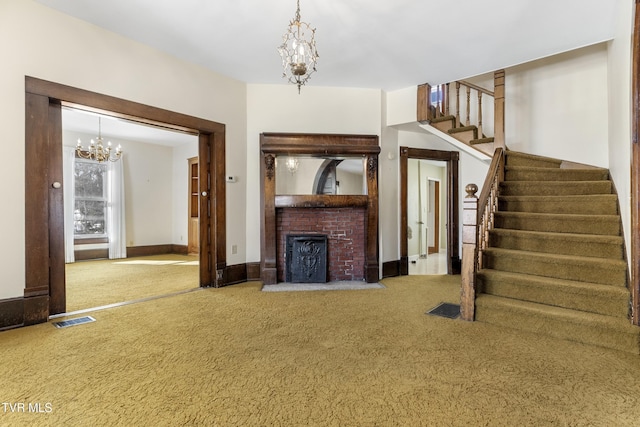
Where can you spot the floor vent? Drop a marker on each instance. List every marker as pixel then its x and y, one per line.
pixel 73 322
pixel 445 309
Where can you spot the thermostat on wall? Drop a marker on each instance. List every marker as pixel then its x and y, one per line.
pixel 231 178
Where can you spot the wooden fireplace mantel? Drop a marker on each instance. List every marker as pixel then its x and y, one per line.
pixel 273 144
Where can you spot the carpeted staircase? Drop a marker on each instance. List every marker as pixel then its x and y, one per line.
pixel 555 262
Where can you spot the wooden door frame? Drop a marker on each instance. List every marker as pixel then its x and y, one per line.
pixel 453 244
pixel 635 170
pixel 44 293
pixel 436 216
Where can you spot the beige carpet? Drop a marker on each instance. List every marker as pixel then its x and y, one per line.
pixel 236 356
pixel 96 283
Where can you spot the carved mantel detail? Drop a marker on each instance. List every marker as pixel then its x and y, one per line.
pixel 372 167
pixel 270 166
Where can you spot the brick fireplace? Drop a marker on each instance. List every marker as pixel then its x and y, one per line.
pixel 350 222
pixel 345 231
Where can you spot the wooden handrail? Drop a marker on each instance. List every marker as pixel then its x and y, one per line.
pixel 477 221
pixel 476 87
pixel 495 174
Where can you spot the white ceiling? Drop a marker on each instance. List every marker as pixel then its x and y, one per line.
pixel 119 129
pixel 381 44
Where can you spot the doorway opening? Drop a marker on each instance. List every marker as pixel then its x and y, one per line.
pixel 429 242
pixel 426 233
pixel 45 287
pixel 128 221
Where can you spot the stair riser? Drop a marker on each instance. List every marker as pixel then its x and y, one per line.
pixel 555 175
pixel 532 321
pixel 586 247
pixel 444 126
pixel 569 269
pixel 585 299
pixel 543 188
pixel 604 227
pixel 466 136
pixel 515 160
pixel 602 206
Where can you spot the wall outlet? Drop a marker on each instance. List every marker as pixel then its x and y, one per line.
pixel 231 178
pixel 234 249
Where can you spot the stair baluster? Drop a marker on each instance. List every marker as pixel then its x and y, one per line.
pixel 478 220
pixel 468 122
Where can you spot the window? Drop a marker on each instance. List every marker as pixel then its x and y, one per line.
pixel 90 194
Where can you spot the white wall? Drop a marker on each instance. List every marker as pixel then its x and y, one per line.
pixel 181 177
pixel 46 44
pixel 388 188
pixel 156 188
pixel 148 182
pixel 557 106
pixel 278 108
pixel 620 111
pixel 402 106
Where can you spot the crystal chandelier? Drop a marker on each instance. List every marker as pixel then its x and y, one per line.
pixel 298 51
pixel 292 164
pixel 97 151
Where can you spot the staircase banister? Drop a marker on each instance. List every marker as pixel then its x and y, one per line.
pixel 476 87
pixel 495 169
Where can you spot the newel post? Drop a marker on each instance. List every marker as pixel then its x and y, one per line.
pixel 469 241
pixel 424 109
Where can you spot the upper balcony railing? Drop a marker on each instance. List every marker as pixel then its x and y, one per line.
pixel 435 104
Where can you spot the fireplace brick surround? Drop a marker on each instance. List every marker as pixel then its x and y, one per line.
pixel 345 230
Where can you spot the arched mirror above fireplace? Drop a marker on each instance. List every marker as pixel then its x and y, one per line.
pixel 320 184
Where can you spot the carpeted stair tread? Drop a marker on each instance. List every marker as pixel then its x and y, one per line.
pixel 515 158
pixel 591 204
pixel 442 119
pixel 584 296
pixel 587 245
pixel 485 140
pixel 555 258
pixel 461 129
pixel 584 269
pixel 554 188
pixel 559 223
pixel 525 173
pixel 573 325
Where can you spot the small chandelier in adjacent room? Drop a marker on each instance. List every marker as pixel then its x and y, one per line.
pixel 298 51
pixel 97 151
pixel 292 164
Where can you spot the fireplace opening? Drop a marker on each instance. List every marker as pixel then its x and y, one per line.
pixel 306 258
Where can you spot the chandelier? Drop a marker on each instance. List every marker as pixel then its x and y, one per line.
pixel 298 51
pixel 292 164
pixel 97 151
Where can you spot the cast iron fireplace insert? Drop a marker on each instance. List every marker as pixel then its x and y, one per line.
pixel 306 258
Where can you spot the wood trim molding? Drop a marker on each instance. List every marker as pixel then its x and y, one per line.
pixel 635 170
pixel 272 144
pixel 44 235
pixel 391 268
pixel 320 201
pixel 11 313
pixel 453 239
pixel 253 271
